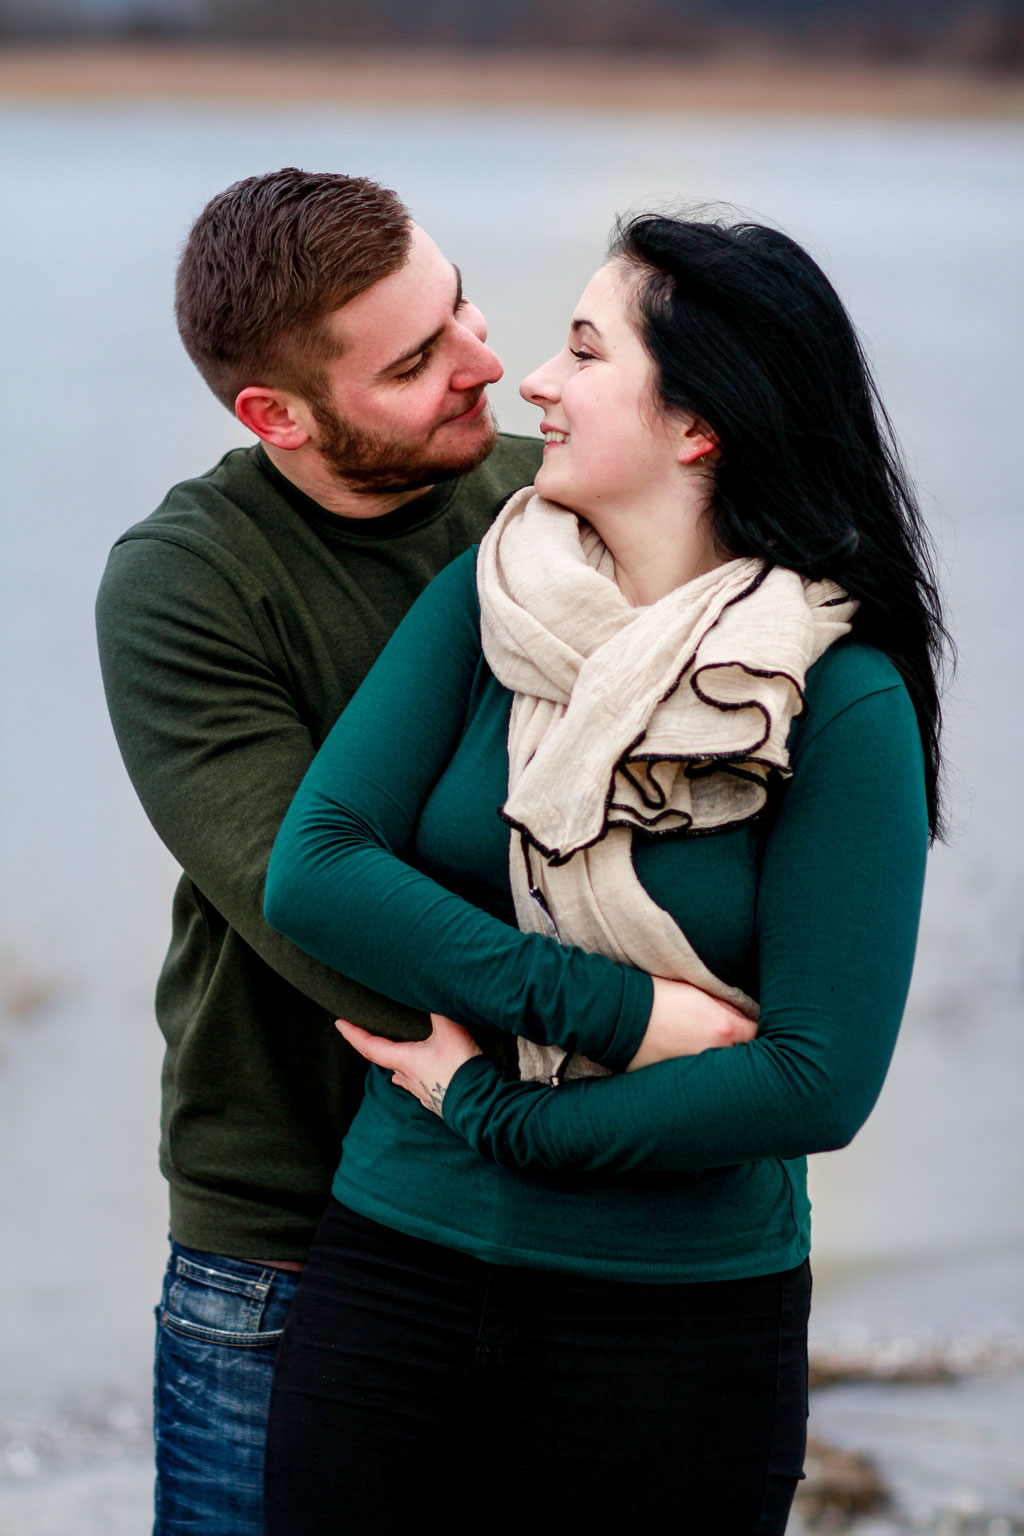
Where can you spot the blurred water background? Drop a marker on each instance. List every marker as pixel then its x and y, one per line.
pixel 919 1227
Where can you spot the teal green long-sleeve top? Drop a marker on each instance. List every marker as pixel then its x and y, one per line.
pixel 392 867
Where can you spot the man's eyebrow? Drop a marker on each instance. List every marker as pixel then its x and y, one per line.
pixel 428 341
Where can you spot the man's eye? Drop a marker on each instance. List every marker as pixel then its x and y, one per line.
pixel 416 369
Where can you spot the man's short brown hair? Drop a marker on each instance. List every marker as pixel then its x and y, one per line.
pixel 267 260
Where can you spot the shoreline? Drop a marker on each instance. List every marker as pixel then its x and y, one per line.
pixel 747 83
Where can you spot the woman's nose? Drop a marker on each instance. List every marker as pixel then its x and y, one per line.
pixel 542 385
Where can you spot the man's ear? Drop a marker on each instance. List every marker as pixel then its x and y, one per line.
pixel 696 441
pixel 276 415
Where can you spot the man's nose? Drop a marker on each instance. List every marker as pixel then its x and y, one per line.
pixel 472 319
pixel 478 364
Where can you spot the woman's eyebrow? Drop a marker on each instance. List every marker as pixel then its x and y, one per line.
pixel 579 325
pixel 407 357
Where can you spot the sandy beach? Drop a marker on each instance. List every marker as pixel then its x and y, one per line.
pixel 754 82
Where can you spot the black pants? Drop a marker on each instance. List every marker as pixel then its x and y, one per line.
pixel 418 1389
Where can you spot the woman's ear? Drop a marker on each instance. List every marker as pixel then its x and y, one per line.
pixel 696 441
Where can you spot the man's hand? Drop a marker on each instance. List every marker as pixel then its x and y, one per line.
pixel 685 1021
pixel 423 1068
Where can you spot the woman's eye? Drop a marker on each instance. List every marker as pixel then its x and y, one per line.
pixel 415 371
pixel 582 356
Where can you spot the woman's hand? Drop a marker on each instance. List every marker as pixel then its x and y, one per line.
pixel 423 1068
pixel 685 1021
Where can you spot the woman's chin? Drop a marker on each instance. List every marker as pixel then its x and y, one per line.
pixel 547 485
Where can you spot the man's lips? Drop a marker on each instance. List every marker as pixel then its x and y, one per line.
pixel 475 410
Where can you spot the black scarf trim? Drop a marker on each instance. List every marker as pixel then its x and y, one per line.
pixel 701 765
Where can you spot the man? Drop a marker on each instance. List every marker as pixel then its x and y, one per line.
pixel 234 624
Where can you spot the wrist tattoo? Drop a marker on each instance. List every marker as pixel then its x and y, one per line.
pixel 434 1097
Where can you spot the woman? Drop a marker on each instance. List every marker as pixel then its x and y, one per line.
pixel 705 708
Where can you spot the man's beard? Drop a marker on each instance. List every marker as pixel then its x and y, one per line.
pixel 373 464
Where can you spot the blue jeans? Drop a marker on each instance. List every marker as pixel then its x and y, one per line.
pixel 218 1327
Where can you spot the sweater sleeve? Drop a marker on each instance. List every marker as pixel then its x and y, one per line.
pixel 838 905
pixel 341 887
pixel 214 742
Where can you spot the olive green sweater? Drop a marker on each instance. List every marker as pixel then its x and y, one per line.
pixel 693 1169
pixel 235 623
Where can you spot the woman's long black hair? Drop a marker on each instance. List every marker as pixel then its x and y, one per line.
pixel 747 334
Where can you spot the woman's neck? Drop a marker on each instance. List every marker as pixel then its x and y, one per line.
pixel 658 549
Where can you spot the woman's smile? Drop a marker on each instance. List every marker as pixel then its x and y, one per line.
pixel 606 444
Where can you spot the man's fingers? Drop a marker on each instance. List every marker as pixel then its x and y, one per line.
pixel 373 1047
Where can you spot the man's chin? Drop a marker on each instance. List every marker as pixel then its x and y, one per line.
pixel 473 454
pixel 404 479
pixel 379 467
pixel 451 462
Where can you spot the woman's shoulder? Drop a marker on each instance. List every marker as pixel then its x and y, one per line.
pixel 457 580
pixel 848 671
pixel 452 593
pixel 848 675
pixel 440 632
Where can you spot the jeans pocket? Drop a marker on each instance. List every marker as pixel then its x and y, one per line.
pixel 218 1327
pixel 220 1305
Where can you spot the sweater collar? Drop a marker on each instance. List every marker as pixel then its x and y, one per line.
pixel 413 514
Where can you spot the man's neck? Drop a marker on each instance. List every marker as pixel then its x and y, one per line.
pixel 315 480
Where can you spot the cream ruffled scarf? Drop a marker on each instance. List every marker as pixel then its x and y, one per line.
pixel 669 717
